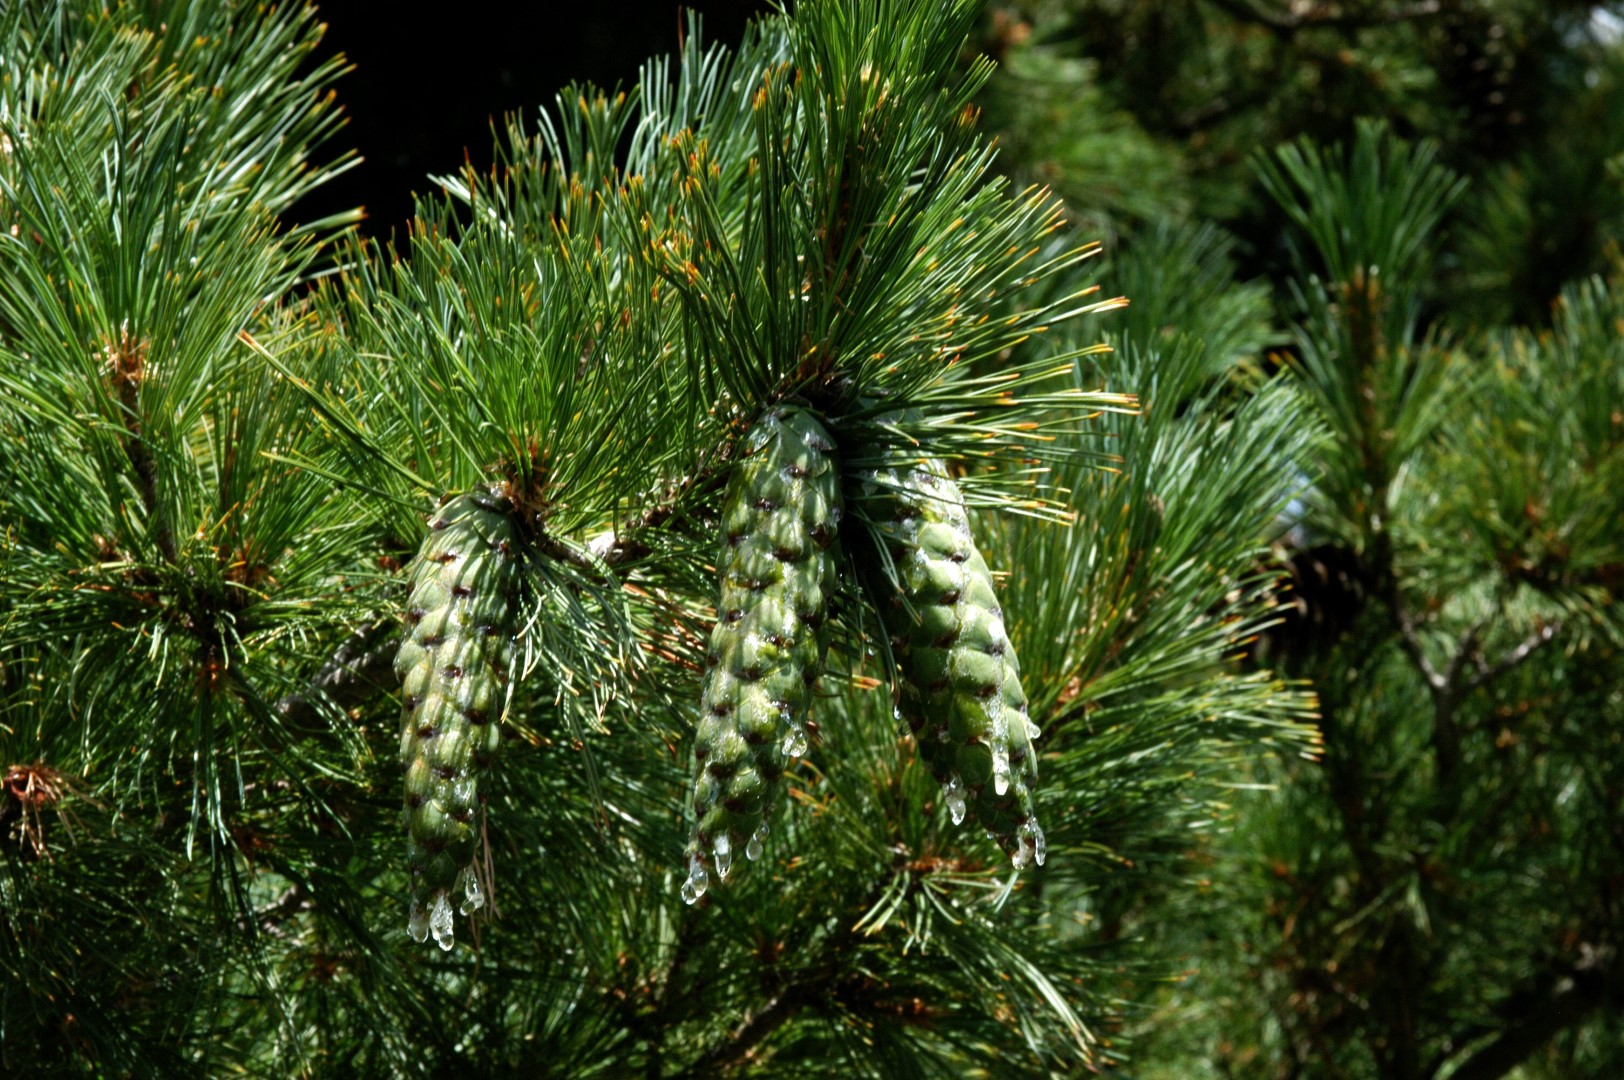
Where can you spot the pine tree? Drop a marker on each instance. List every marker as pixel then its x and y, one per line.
pixel 1139 112
pixel 284 507
pixel 1436 895
pixel 1442 901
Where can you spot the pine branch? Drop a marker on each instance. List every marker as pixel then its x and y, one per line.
pixel 1410 640
pixel 1554 1001
pixel 742 1043
pixel 622 545
pixel 126 361
pixel 1450 687
pixel 362 666
pixel 359 669
pixel 1442 686
pixel 1486 672
pixel 1303 16
pixel 809 987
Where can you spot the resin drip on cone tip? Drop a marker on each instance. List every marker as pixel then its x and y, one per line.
pixel 780 523
pixel 959 681
pixel 454 664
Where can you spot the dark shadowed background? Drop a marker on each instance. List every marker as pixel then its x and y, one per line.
pixel 423 92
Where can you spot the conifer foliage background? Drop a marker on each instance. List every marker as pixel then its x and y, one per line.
pixel 1380 838
pixel 1430 192
pixel 225 439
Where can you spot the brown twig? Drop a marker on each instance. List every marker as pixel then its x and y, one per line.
pixel 1558 999
pixel 126 371
pixel 806 988
pixel 1302 15
pixel 1452 685
pixel 363 665
pixel 1486 673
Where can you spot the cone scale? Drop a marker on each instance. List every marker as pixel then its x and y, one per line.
pixel 780 521
pixel 960 681
pixel 454 664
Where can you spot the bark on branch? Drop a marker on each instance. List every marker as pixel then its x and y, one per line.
pixel 1302 15
pixel 1467 671
pixel 1535 1015
pixel 1486 673
pixel 744 1040
pixel 363 666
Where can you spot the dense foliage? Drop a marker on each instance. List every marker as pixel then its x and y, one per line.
pixel 1431 193
pixel 761 467
pixel 252 474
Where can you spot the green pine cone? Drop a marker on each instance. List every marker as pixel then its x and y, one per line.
pixel 960 689
pixel 780 522
pixel 453 666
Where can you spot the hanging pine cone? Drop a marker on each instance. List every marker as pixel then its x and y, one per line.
pixel 780 521
pixel 454 666
pixel 960 682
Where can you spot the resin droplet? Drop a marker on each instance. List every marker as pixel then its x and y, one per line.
pixel 1021 857
pixel 698 881
pixel 752 850
pixel 417 924
pixel 1031 846
pixel 795 742
pixel 954 794
pixel 473 897
pixel 955 667
pixel 452 662
pixel 440 921
pixel 1033 732
pixel 724 856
